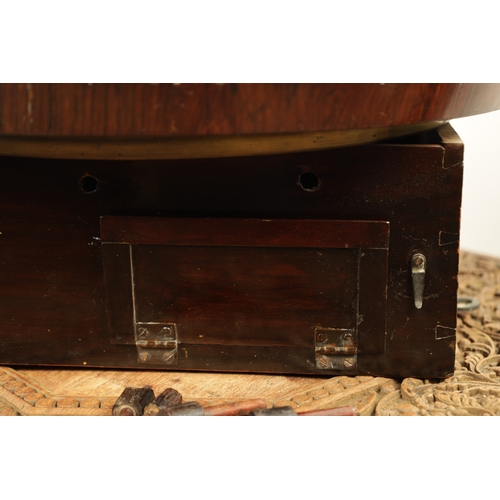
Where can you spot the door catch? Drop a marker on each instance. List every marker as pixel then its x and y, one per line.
pixel 418 278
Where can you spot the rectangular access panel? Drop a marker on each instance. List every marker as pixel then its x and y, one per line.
pixel 178 287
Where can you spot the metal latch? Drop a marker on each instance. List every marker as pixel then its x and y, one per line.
pixel 156 343
pixel 335 349
pixel 418 277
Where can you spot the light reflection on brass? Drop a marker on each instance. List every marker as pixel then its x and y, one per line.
pixel 198 147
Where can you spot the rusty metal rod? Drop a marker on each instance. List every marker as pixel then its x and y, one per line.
pixel 239 408
pixel 132 401
pixel 280 411
pixel 289 411
pixel 190 409
pixel 169 397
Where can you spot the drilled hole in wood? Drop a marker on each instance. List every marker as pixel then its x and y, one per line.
pixel 309 181
pixel 88 184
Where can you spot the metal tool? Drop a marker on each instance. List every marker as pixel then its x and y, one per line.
pixel 190 409
pixel 142 401
pixel 289 411
pixel 239 408
pixel 168 398
pixel 132 401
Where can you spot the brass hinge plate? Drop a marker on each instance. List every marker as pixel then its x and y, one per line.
pixel 335 348
pixel 156 343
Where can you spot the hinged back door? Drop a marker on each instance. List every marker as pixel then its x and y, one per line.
pixel 177 287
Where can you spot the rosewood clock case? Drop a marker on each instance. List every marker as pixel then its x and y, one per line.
pixel 340 261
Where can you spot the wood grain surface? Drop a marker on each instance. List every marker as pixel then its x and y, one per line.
pixel 176 110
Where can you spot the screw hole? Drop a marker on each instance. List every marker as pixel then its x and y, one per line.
pixel 309 181
pixel 88 184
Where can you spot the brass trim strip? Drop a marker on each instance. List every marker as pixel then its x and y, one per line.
pixel 198 147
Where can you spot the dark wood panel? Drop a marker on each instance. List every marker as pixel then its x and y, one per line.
pixel 167 110
pixel 305 233
pixel 273 359
pixel 246 296
pixel 373 276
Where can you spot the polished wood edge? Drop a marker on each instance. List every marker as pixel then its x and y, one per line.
pixel 124 110
pixel 199 147
pixel 287 233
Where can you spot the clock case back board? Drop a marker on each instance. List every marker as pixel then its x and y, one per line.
pixel 288 263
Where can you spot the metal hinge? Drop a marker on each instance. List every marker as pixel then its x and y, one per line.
pixel 335 348
pixel 156 343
